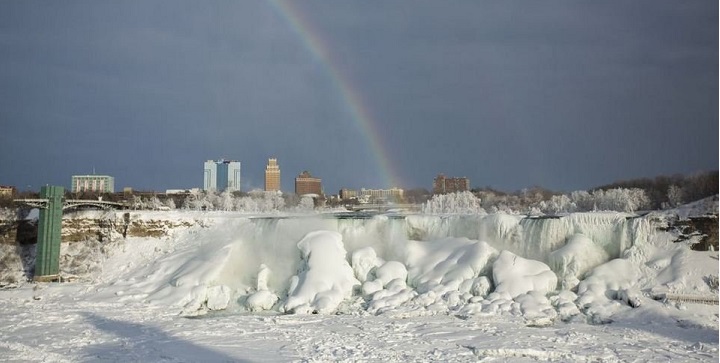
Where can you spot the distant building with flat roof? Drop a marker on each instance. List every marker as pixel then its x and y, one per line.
pixel 92 183
pixel 393 194
pixel 444 185
pixel 6 191
pixel 308 184
pixel 221 175
pixel 348 193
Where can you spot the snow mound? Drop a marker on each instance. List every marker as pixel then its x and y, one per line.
pixel 514 275
pixel 263 299
pixel 365 260
pixel 443 265
pixel 573 260
pixel 702 207
pixel 607 283
pixel 326 278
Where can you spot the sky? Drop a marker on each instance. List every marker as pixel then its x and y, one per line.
pixel 363 94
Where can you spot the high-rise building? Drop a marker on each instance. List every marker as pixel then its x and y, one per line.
pixel 444 185
pixel 307 184
pixel 92 183
pixel 272 176
pixel 221 175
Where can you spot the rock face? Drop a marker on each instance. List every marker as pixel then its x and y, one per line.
pixel 83 238
pixel 702 230
pixel 18 232
pixel 86 228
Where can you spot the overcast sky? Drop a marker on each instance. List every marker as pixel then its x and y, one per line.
pixel 566 95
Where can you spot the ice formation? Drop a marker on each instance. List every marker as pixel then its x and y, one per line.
pixel 496 278
pixel 515 275
pixel 572 261
pixel 573 267
pixel 326 278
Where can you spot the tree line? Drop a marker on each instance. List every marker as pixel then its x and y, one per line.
pixel 661 192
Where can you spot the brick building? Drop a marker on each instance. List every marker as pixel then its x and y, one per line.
pixel 444 185
pixel 308 184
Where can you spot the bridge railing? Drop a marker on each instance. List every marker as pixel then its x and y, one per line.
pixel 72 203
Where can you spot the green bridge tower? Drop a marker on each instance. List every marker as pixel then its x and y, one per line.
pixel 47 258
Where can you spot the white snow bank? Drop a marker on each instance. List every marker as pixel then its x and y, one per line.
pixel 536 308
pixel 365 260
pixel 326 278
pixel 606 284
pixel 261 300
pixel 698 208
pixel 390 271
pixel 612 276
pixel 515 275
pixel 444 264
pixel 573 260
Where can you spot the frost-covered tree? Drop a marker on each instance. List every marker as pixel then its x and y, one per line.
pixel 154 203
pixel 197 200
pixel 138 203
pixel 558 204
pixel 453 203
pixel 226 201
pixel 675 196
pixel 268 202
pixel 246 204
pixel 306 204
pixel 170 204
pixel 621 199
pixel 260 202
pixel 212 200
pixel 582 200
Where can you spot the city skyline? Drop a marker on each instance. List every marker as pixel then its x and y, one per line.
pixel 566 96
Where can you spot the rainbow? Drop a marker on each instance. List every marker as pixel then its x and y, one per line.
pixel 352 99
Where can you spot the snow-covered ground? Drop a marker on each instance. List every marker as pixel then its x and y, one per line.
pixel 231 287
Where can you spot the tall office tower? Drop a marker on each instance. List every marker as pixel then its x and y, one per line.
pixel 221 175
pixel 92 183
pixel 272 176
pixel 307 184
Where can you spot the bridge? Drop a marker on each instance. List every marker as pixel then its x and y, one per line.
pixel 42 203
pixel 51 205
pixel 383 207
pixel 692 299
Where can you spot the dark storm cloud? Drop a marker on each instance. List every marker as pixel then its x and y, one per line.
pixel 511 94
